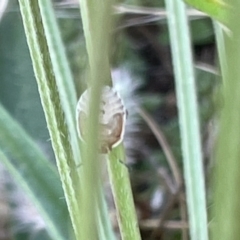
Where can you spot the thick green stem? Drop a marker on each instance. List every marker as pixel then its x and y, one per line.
pixel 96 18
pixel 49 94
pixel 188 116
pixel 60 66
pixel 122 193
pixel 97 22
pixel 227 175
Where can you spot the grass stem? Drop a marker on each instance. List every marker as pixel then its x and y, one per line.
pixel 42 64
pixel 188 118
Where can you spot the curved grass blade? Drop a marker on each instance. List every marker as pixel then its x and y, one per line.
pixel 34 173
pixel 122 193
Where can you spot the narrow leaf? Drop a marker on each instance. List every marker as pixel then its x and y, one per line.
pixel 48 89
pixel 188 118
pixel 34 173
pixel 217 9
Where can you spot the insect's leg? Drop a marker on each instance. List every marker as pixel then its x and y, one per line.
pixel 128 166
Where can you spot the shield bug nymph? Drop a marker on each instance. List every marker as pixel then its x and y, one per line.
pixel 112 118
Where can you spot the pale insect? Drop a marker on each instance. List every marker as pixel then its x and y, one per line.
pixel 112 118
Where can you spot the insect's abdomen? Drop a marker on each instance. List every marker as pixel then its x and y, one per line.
pixel 112 118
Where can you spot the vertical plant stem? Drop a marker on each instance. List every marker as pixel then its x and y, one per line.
pixel 64 79
pixel 227 175
pixel 122 194
pixel 96 19
pixel 97 22
pixel 51 104
pixel 188 117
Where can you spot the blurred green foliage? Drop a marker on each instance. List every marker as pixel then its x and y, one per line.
pixel 18 91
pixel 18 88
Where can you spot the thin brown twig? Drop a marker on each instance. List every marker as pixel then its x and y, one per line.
pixel 167 180
pixel 164 144
pixel 183 213
pixel 171 200
pixel 175 170
pixel 207 68
pixel 150 224
pixel 157 232
pixel 130 9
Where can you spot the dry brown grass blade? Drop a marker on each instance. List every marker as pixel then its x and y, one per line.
pixel 164 144
pixel 153 223
pixel 175 171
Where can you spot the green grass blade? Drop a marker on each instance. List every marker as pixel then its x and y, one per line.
pixel 64 79
pixel 34 173
pixel 122 192
pixel 97 20
pixel 188 115
pixel 215 9
pixel 52 107
pixel 227 175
